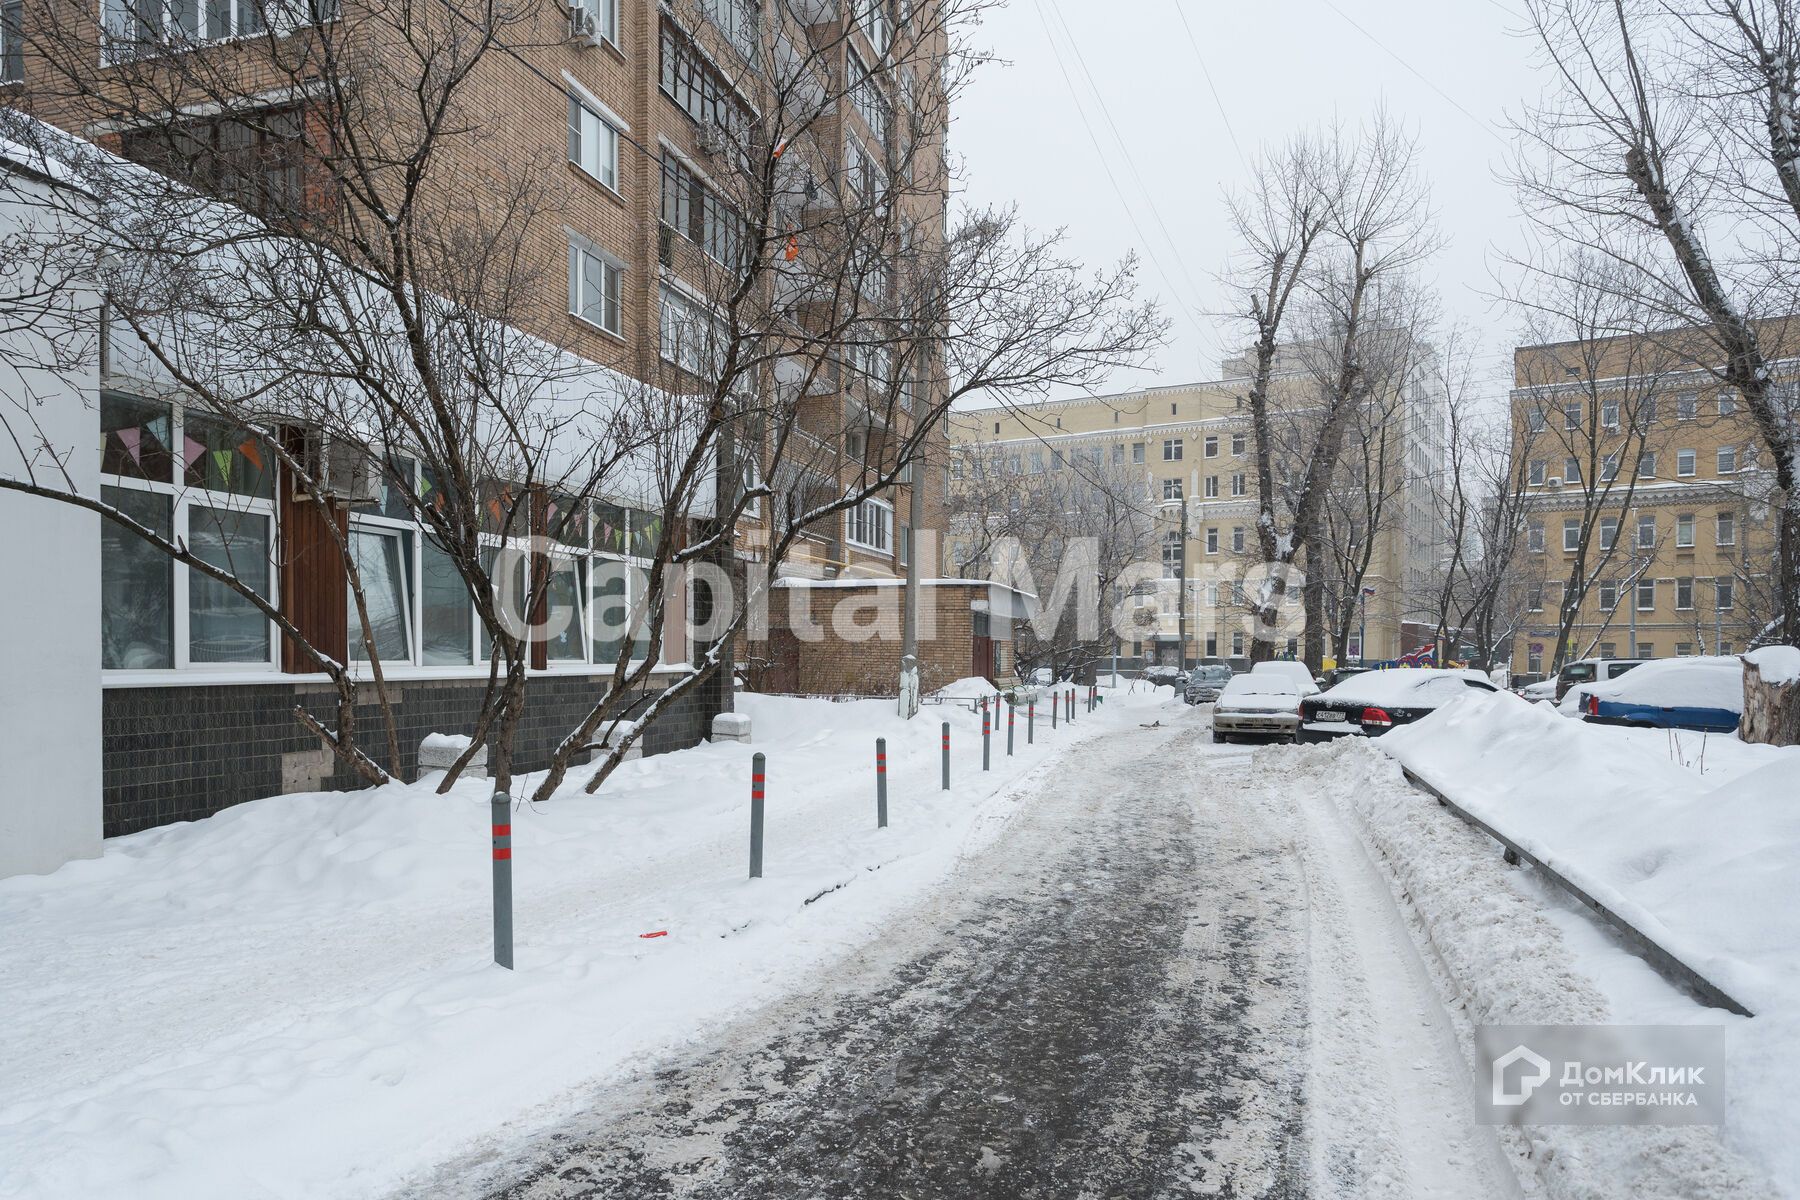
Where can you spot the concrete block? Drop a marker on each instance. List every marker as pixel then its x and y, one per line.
pixel 439 751
pixel 731 727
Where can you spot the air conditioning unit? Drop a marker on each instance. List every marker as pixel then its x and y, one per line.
pixel 343 470
pixel 713 140
pixel 584 25
pixel 1554 481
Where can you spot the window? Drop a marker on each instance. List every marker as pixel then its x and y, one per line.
pixel 1212 542
pixel 1534 537
pixel 1237 643
pixel 1171 489
pixel 1534 661
pixel 1037 462
pixel 1171 449
pixel 1647 464
pixel 695 85
pixel 1211 487
pixel 1609 468
pixel 1687 406
pixel 12 51
pixel 691 337
pixel 1727 460
pixel 1646 527
pixel 1684 463
pixel 1609 413
pixel 216 493
pixel 594 286
pixel 1609 532
pixel 1237 539
pixel 1646 650
pixel 865 95
pixel 698 213
pixel 1683 649
pixel 1118 454
pixel 1571 470
pixel 1056 460
pixel 1238 482
pixel 1572 415
pixel 1725 593
pixel 1212 645
pixel 1727 403
pixel 1684 531
pixel 1571 533
pixel 1211 447
pixel 1646 413
pixel 870 525
pixel 1171 554
pixel 738 20
pixel 593 144
pixel 1609 650
pixel 1726 534
pixel 1137 452
pixel 1238 444
pixel 1684 592
pixel 872 15
pixel 1539 471
pixel 1535 420
pixel 1534 597
pixel 1608 595
pixel 1646 597
pixel 254 159
pixel 132 27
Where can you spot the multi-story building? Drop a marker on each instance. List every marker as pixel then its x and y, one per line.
pixel 622 119
pixel 1188 450
pixel 1644 486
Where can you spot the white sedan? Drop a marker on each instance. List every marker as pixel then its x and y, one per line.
pixel 1253 705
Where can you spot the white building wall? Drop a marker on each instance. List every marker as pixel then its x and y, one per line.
pixel 50 701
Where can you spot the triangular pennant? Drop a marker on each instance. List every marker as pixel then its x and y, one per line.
pixel 222 460
pixel 249 450
pixel 131 438
pixel 191 450
pixel 158 429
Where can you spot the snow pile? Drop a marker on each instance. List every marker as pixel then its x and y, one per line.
pixel 972 688
pixel 1701 681
pixel 1778 664
pixel 295 997
pixel 1498 959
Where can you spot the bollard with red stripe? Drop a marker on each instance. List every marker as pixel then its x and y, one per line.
pixel 1012 711
pixel 1030 721
pixel 500 812
pixel 881 783
pixel 946 756
pixel 984 739
pixel 756 815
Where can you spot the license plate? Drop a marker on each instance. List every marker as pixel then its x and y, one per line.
pixel 1328 716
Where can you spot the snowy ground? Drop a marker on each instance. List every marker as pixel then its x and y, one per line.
pixel 294 998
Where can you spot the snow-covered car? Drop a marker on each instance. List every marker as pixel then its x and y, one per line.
pixel 1167 676
pixel 1543 689
pixel 1592 670
pixel 1253 705
pixel 1700 693
pixel 1205 682
pixel 1370 705
pixel 1299 672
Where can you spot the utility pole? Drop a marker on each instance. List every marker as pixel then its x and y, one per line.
pixel 909 616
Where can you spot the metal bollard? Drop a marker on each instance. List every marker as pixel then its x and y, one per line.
pixel 1055 707
pixel 946 756
pixel 501 817
pixel 1011 711
pixel 756 815
pixel 984 739
pixel 1030 721
pixel 881 783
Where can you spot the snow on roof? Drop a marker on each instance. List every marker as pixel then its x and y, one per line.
pixel 1694 682
pixel 1778 664
pixel 1401 683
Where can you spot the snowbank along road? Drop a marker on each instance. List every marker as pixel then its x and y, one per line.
pixel 1161 979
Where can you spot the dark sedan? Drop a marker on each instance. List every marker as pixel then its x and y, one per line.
pixel 1370 704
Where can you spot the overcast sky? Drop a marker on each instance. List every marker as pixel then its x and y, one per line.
pixel 1450 71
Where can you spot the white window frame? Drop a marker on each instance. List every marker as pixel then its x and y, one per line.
pixel 593 140
pixel 1172 449
pixel 1684 531
pixel 1727 460
pixel 1686 463
pixel 606 18
pixel 612 285
pixel 1646 532
pixel 1571 534
pixel 869 525
pixel 1725 529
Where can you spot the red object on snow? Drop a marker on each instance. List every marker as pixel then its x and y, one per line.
pixel 657 933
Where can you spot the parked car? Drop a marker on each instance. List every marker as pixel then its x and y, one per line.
pixel 1337 675
pixel 1373 703
pixel 1591 670
pixel 1265 705
pixel 1205 682
pixel 1543 689
pixel 1165 675
pixel 1299 672
pixel 1700 693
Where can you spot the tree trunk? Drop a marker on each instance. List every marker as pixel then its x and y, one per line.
pixel 1771 709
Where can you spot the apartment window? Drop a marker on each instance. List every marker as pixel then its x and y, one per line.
pixel 1647 465
pixel 1212 595
pixel 605 16
pixel 217 494
pixel 1727 403
pixel 1212 545
pixel 1609 650
pixel 1571 470
pixel 1534 597
pixel 1724 591
pixel 1609 413
pixel 1171 554
pixel 1237 643
pixel 1684 463
pixel 1211 447
pixel 1684 531
pixel 1238 483
pixel 1037 462
pixel 1212 645
pixel 695 85
pixel 1683 649
pixel 1608 594
pixel 865 95
pixel 690 336
pixel 870 525
pixel 1609 532
pixel 1540 470
pixel 739 21
pixel 1237 539
pixel 1534 661
pixel 1726 533
pixel 1137 452
pixel 12 50
pixel 1056 460
pixel 1646 597
pixel 1687 406
pixel 1534 537
pixel 1646 413
pixel 1239 443
pixel 595 282
pixel 1118 454
pixel 699 214
pixel 1571 534
pixel 1684 593
pixel 1171 449
pixel 131 28
pixel 1572 415
pixel 1609 468
pixel 1646 527
pixel 1535 420
pixel 1727 460
pixel 872 15
pixel 1646 650
pixel 1171 489
pixel 1212 487
pixel 593 144
pixel 254 159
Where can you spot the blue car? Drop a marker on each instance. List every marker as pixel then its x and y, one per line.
pixel 1703 694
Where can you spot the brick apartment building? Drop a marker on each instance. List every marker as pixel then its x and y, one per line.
pixel 1642 474
pixel 1188 447
pixel 614 108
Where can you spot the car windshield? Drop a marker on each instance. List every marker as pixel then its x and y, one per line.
pixel 1260 685
pixel 1579 672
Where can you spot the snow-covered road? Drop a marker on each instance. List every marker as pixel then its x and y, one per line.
pixel 1164 977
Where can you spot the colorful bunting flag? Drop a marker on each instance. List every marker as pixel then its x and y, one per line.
pixel 131 439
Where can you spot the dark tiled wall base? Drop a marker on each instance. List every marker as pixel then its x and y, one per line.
pixel 181 753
